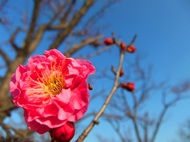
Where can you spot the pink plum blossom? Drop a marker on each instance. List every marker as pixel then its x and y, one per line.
pixel 52 90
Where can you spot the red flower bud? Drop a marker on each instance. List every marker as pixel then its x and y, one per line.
pixel 131 49
pixel 123 46
pixel 64 133
pixel 108 41
pixel 121 73
pixel 129 86
pixel 90 87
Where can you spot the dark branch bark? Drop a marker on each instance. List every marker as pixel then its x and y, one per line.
pixel 12 39
pixel 98 13
pixel 56 15
pixel 5 57
pixel 57 27
pixel 35 15
pixel 76 19
pixel 82 44
pixel 63 19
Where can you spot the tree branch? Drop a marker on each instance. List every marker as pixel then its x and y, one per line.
pixel 136 129
pixel 98 13
pixel 12 39
pixel 56 15
pixel 5 57
pixel 63 19
pixel 62 35
pixel 97 52
pixel 160 119
pixel 5 100
pixel 117 130
pixel 104 106
pixel 58 27
pixel 35 15
pixel 82 44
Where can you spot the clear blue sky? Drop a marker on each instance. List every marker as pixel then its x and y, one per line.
pixel 163 29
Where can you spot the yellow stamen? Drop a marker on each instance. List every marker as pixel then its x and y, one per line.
pixel 48 83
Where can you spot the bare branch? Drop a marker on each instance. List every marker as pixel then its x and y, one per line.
pixel 116 127
pixel 98 14
pixel 18 132
pixel 5 57
pixel 62 35
pixel 168 105
pixel 136 129
pixel 12 39
pixel 160 119
pixel 56 15
pixel 133 40
pixel 63 19
pixel 57 27
pixel 21 57
pixel 82 44
pixel 35 15
pixel 104 106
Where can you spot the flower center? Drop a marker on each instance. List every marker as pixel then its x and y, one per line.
pixel 54 83
pixel 48 83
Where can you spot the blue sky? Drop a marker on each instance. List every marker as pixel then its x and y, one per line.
pixel 163 29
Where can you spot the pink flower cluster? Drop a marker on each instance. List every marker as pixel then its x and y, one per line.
pixel 52 90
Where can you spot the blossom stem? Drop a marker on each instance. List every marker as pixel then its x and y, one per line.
pixel 107 101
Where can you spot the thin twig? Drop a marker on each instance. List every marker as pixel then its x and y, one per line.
pixel 63 19
pixel 12 39
pixel 82 44
pixel 33 22
pixel 97 52
pixel 5 57
pixel 76 19
pixel 104 106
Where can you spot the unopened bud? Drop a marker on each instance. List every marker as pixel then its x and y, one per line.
pixel 123 46
pixel 108 41
pixel 90 87
pixel 121 73
pixel 131 49
pixel 129 86
pixel 64 133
